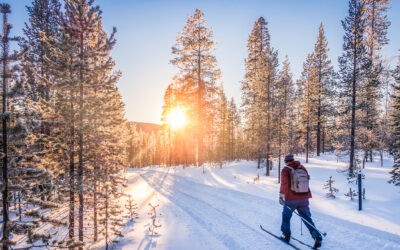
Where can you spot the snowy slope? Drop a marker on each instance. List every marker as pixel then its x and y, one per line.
pixel 222 209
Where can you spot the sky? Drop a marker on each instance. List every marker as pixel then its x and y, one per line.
pixel 147 29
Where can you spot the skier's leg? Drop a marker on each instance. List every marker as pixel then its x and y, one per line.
pixel 286 215
pixel 304 212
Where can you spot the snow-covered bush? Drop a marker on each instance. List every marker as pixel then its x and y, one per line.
pixel 332 190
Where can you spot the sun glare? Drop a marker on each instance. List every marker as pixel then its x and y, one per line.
pixel 177 118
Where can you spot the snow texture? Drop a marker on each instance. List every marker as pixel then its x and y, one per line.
pixel 222 209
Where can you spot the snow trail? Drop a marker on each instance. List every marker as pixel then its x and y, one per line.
pixel 223 209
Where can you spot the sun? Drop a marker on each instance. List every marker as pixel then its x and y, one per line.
pixel 177 118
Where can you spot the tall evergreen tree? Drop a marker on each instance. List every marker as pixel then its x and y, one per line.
pixel 233 126
pixel 197 79
pixel 284 108
pixel 325 87
pixel 376 25
pixel 307 94
pixel 12 129
pixel 258 90
pixel 87 107
pixel 395 117
pixel 352 66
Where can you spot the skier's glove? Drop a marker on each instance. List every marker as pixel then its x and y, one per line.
pixel 281 199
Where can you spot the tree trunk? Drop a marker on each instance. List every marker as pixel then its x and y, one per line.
pixel 95 229
pixel 353 105
pixel 71 225
pixel 323 140
pixel 5 72
pixel 80 152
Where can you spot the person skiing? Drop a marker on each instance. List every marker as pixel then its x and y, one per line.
pixel 293 195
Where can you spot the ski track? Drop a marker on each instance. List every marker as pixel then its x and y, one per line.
pixel 216 212
pixel 214 220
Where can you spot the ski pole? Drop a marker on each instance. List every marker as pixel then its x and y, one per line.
pixel 301 227
pixel 305 221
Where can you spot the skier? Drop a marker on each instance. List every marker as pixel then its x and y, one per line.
pixel 294 194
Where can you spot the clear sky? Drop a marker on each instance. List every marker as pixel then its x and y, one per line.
pixel 147 30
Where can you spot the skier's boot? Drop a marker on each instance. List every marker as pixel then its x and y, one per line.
pixel 317 243
pixel 285 237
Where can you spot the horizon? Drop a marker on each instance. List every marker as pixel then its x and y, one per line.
pixel 146 31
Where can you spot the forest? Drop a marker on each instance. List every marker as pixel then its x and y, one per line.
pixel 66 143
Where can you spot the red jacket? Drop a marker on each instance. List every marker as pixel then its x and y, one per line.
pixel 285 183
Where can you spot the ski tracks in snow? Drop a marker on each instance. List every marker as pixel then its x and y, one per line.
pixel 229 230
pixel 229 219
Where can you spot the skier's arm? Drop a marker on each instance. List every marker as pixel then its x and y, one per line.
pixel 284 186
pixel 284 181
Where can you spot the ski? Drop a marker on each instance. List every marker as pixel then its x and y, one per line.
pixel 279 238
pixel 302 242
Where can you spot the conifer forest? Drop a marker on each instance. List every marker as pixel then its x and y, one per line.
pixel 68 150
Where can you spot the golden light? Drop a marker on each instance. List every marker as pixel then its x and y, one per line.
pixel 177 118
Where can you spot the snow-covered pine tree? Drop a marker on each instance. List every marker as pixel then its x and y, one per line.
pixel 376 25
pixel 307 96
pixel 110 210
pixel 45 146
pixel 352 193
pixel 258 91
pixel 13 128
pixel 325 84
pixel 82 24
pixel 284 104
pixel 385 131
pixel 233 130
pixel 352 64
pixel 222 125
pixel 44 23
pixel 86 103
pixel 198 80
pixel 61 111
pixel 332 190
pixel 395 118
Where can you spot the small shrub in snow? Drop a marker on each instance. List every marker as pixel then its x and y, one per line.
pixel 332 190
pixel 257 178
pixel 131 209
pixel 351 194
pixel 153 214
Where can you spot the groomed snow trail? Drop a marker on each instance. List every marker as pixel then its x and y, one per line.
pixel 194 215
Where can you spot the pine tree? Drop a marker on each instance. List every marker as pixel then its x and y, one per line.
pixel 86 105
pixel 222 125
pixel 307 96
pixel 233 127
pixel 284 108
pixel 13 129
pixel 352 66
pixel 375 38
pixel 325 87
pixel 258 90
pixel 332 190
pixel 395 117
pixel 197 80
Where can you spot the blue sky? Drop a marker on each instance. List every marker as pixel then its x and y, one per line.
pixel 147 30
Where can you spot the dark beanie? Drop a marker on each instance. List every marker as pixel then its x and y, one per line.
pixel 289 157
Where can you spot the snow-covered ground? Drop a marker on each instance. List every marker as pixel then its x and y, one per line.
pixel 223 208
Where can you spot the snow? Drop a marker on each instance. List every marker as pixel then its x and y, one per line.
pixel 223 207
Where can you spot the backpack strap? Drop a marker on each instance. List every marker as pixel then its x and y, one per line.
pixel 290 175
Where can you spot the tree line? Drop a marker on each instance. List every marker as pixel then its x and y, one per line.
pixel 64 135
pixel 350 111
